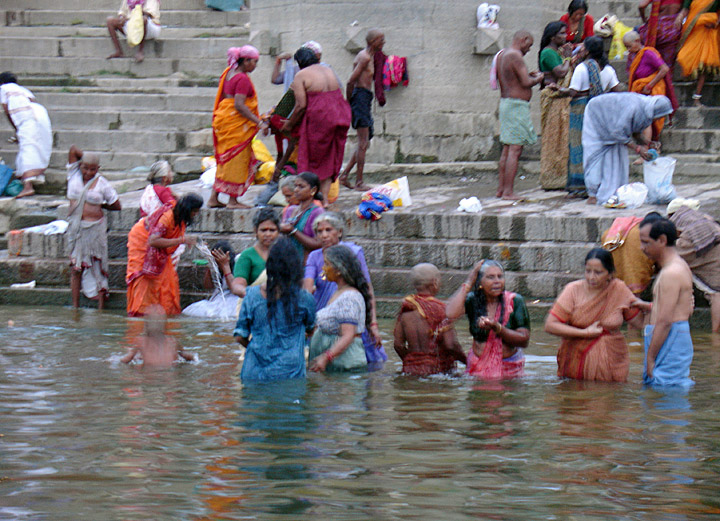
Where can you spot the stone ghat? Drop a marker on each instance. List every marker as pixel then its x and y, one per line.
pixel 542 242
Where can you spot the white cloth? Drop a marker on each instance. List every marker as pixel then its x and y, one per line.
pixel 609 123
pixel 149 201
pixel 580 80
pixel 34 132
pixel 220 305
pixel 101 193
pixel 150 8
pixel 152 30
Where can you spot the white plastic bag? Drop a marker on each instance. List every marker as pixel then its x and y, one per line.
pixel 632 195
pixel 207 179
pixel 658 178
pixel 470 205
pixel 397 190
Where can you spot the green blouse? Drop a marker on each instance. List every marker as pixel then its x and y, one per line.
pixel 249 265
pixel 549 59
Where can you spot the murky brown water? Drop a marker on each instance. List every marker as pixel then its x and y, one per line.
pixel 83 437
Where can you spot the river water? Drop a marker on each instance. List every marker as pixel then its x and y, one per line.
pixel 84 437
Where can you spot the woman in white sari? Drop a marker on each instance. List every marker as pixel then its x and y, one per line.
pixel 611 123
pixel 32 130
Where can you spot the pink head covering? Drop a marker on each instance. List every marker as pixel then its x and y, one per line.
pixel 313 46
pixel 246 51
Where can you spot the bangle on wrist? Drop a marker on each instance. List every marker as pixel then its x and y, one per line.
pixel 329 356
pixel 293 231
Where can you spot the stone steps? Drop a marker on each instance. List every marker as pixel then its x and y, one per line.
pixel 81 31
pixel 166 100
pixel 110 6
pixel 98 18
pixel 141 121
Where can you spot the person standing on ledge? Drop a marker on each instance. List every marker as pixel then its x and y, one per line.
pixel 360 95
pixel 668 345
pixel 516 129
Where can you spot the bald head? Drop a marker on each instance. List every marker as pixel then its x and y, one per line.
pixel 90 159
pixel 522 41
pixel 375 39
pixel 425 277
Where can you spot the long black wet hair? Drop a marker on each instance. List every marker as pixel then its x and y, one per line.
pixel 479 293
pixel 284 277
pixel 226 247
pixel 348 266
pixel 596 50
pixel 549 33
pixel 7 77
pixel 314 182
pixel 576 5
pixel 305 57
pixel 182 213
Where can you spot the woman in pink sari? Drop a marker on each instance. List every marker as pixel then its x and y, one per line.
pixel 587 316
pixel 499 323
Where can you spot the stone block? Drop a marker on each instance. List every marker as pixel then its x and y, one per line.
pixel 200 140
pixel 265 41
pixel 187 165
pixel 355 38
pixel 487 41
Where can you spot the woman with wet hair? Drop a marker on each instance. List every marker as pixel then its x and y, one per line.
pixel 151 276
pixel 499 322
pixel 587 316
pixel 336 344
pixel 275 319
pixel 222 304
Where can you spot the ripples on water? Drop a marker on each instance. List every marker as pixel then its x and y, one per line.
pixel 86 437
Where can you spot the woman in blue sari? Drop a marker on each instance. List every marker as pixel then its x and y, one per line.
pixel 276 318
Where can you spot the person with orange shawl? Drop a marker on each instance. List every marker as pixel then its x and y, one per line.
pixel 699 47
pixel 587 316
pixel 151 276
pixel 499 323
pixel 648 74
pixel 425 339
pixel 235 122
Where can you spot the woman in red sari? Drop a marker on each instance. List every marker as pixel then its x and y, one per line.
pixel 579 23
pixel 151 276
pixel 587 316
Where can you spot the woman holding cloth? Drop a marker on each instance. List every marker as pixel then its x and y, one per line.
pixel 329 228
pixel 499 322
pixel 235 122
pixel 587 316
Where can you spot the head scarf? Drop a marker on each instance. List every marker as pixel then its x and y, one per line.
pixel 313 46
pixel 678 202
pixel 159 169
pixel 246 51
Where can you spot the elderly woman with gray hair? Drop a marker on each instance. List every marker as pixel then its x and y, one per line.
pixel 157 193
pixel 499 322
pixel 329 228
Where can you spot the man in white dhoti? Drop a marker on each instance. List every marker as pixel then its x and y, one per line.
pixel 89 193
pixel 32 131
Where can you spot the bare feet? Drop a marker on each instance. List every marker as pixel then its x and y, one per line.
pixel 345 182
pixel 139 57
pixel 591 200
pixel 498 194
pixel 26 191
pixel 511 197
pixel 216 204
pixel 361 187
pixel 234 205
pixel 115 55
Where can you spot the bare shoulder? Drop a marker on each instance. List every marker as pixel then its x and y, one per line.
pixel 363 57
pixel 677 272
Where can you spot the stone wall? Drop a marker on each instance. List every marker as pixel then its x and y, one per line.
pixel 448 112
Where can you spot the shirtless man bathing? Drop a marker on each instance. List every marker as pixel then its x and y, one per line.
pixel 360 94
pixel 668 346
pixel 516 129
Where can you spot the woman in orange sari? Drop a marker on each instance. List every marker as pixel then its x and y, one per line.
pixel 648 74
pixel 587 316
pixel 235 122
pixel 151 276
pixel 699 47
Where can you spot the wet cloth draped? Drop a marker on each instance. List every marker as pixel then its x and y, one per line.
pixel 302 222
pixel 606 357
pixel 32 125
pixel 699 47
pixel 609 123
pixel 153 197
pixel 151 277
pixel 516 126
pixel 277 346
pixel 323 133
pixel 438 357
pixel 672 363
pixel 232 136
pixel 490 365
pixel 642 70
pixel 632 266
pixel 324 289
pixel 555 123
pixel 347 308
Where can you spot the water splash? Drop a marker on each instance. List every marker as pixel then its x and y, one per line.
pixel 214 275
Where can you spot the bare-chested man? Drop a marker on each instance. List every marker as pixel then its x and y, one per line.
pixel 668 346
pixel 323 116
pixel 516 129
pixel 425 339
pixel 360 95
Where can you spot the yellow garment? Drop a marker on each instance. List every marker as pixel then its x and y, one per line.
pixel 334 191
pixel 261 152
pixel 617 47
pixel 632 266
pixel 135 27
pixel 699 46
pixel 264 173
pixel 150 8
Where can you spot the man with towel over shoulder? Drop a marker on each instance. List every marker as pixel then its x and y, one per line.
pixel 516 129
pixel 324 119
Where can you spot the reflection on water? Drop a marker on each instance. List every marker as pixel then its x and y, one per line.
pixel 85 437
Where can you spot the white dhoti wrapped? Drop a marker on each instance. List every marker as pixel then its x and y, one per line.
pixel 34 136
pixel 89 252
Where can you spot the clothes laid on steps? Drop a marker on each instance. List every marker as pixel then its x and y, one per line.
pixel 225 5
pixel 33 130
pixel 516 126
pixel 672 363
